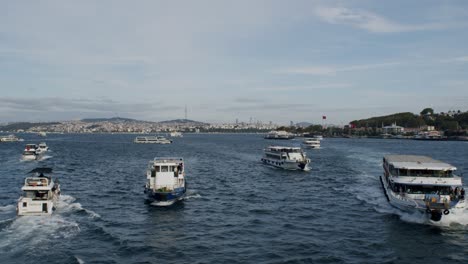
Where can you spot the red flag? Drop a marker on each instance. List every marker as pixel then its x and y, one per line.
pixel 324 117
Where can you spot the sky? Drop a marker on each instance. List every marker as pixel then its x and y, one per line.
pixel 277 61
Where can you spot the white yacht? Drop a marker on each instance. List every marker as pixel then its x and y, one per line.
pixel 40 194
pixel 165 181
pixel 42 148
pixel 31 152
pixel 290 158
pixel 153 140
pixel 311 143
pixel 423 184
pixel 10 138
pixel 176 134
pixel 319 137
pixel 279 135
pixel 42 134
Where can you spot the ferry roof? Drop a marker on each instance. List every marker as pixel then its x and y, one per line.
pixel 167 160
pixel 280 148
pixel 413 162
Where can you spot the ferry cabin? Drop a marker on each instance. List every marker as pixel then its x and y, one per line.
pixel 292 158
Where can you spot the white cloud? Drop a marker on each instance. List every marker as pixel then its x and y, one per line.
pixel 367 20
pixel 331 70
pixel 462 59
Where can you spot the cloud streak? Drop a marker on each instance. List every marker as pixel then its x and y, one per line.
pixel 368 21
pixel 332 70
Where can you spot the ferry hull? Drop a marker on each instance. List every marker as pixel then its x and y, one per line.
pixel 165 198
pixel 286 165
pixel 411 205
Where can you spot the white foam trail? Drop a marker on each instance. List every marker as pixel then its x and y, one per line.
pixel 7 208
pixel 66 204
pixel 80 261
pixel 28 231
pixel 192 196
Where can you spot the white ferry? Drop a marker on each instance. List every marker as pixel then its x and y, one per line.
pixel 319 137
pixel 289 158
pixel 279 135
pixel 31 152
pixel 153 140
pixel 424 184
pixel 176 134
pixel 165 181
pixel 10 138
pixel 40 194
pixel 312 143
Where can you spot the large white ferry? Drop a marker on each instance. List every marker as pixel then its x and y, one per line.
pixel 279 135
pixel 40 194
pixel 424 184
pixel 153 140
pixel 10 138
pixel 165 181
pixel 290 158
pixel 311 143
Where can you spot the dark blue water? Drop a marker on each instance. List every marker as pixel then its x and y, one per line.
pixel 237 210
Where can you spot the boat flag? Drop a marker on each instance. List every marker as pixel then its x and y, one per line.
pixel 324 117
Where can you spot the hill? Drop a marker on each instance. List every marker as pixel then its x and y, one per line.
pixel 405 119
pixel 24 126
pixel 182 121
pixel 112 119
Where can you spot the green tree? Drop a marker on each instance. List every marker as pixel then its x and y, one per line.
pixel 426 111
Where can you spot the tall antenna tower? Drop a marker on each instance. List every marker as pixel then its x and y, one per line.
pixel 185 112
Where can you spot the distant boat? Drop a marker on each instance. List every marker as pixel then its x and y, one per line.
pixel 152 140
pixel 40 194
pixel 31 152
pixel 175 134
pixel 10 138
pixel 42 134
pixel 312 143
pixel 279 135
pixel 419 183
pixel 165 181
pixel 289 158
pixel 42 148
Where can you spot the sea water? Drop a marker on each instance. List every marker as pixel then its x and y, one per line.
pixel 237 210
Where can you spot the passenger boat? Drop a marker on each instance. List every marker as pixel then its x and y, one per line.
pixel 165 180
pixel 40 194
pixel 311 143
pixel 279 135
pixel 319 137
pixel 153 140
pixel 289 158
pixel 42 134
pixel 10 138
pixel 31 152
pixel 419 183
pixel 175 134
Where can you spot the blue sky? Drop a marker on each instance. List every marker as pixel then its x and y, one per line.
pixel 269 60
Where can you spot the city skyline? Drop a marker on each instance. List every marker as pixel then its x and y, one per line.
pixel 272 60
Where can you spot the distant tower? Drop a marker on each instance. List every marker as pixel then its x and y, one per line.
pixel 291 123
pixel 185 112
pixel 237 121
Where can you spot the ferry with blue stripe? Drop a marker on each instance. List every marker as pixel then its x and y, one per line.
pixel 165 181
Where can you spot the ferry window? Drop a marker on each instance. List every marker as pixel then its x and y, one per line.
pixel 25 204
pixel 153 173
pixel 164 169
pixel 171 168
pixel 158 169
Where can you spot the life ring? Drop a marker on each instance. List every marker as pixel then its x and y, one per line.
pixel 446 212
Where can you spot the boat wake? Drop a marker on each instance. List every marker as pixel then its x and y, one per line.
pixel 66 205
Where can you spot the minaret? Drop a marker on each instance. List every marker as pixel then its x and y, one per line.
pixel 185 112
